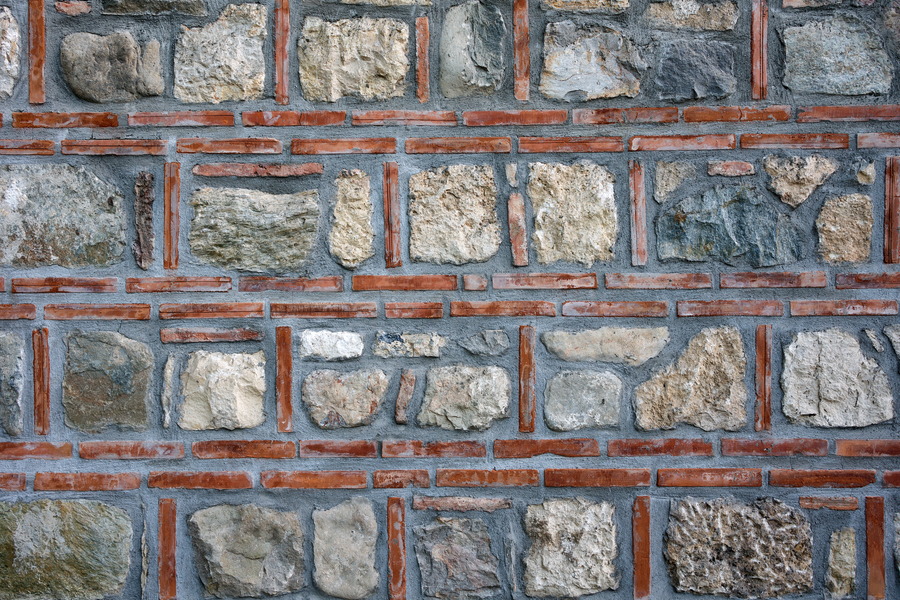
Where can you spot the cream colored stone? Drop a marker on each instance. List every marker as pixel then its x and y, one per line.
pixel 845 229
pixel 670 176
pixel 865 173
pixel 794 178
pixel 603 6
pixel 841 576
pixel 352 236
pixel 693 15
pixel 344 549
pixel 352 399
pixel 223 391
pixel 465 398
pixel 631 346
pixel 408 345
pixel 10 52
pixel 324 344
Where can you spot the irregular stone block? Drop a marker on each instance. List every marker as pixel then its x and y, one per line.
pixel 390 2
pixel 586 62
pixel 828 382
pixel 840 579
pixel 344 549
pixel 728 548
pixel 453 215
pixel 630 346
pixel 465 398
pixel 10 52
pixel 695 69
pixel 670 176
pixel 693 15
pixel 106 381
pixel 581 399
pixel 473 40
pixel 154 7
pixel 324 344
pixel 142 248
pixel 363 57
pixel 614 7
pixel 892 19
pixel 335 399
pixel 351 239
pixel 840 55
pixel 845 229
pixel 223 60
pixel 893 334
pixel 12 381
pixel 794 178
pixel 704 387
pixel 246 550
pixel 455 559
pixel 574 212
pixel 573 546
pixel 489 342
pixel 865 172
pixel 59 215
pixel 408 345
pixel 248 230
pixel 223 391
pixel 111 68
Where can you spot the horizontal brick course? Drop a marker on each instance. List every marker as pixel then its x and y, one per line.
pixel 200 480
pixel 486 478
pixel 420 449
pixel 314 480
pixel 659 447
pixel 821 478
pixel 221 449
pixel 710 477
pixel 596 478
pixel 86 482
pixel 557 447
pixel 130 450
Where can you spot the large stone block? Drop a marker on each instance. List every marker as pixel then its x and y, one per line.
pixel 12 381
pixel 223 391
pixel 472 50
pixel 465 398
pixel 352 399
pixel 845 229
pixel 581 399
pixel 111 68
pixel 695 69
pixel 795 178
pixel 344 549
pixel 10 52
pixel 670 176
pixel 456 561
pixel 632 346
pixel 352 236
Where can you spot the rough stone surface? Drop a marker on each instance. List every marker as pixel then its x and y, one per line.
pixel 574 212
pixel 845 229
pixel 728 548
pixel 840 55
pixel 631 346
pixel 465 398
pixel 473 39
pixel 704 387
pixel 154 7
pixel 335 399
pixel 248 230
pixel 167 398
pixel 142 247
pixel 106 381
pixel 873 339
pixel 488 342
pixel 363 57
pixel 670 176
pixel 390 2
pixel 892 19
pixel 453 215
pixel 841 576
pixel 12 380
pixel 352 237
pixel 63 549
pixel 601 6
pixel 111 68
pixel 794 178
pixel 865 173
pixel 408 345
pixel 897 541
pixel 573 548
pixel 324 344
pixel 581 399
pixel 59 215
pixel 10 52
pixel 455 559
pixel 731 224
pixel 586 62
pixel 893 334
pixel 247 551
pixel 693 15
pixel 828 382
pixel 695 69
pixel 223 391
pixel 344 549
pixel 225 59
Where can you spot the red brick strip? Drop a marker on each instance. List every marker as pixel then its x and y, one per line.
pixel 445 118
pixel 640 547
pixel 878 140
pixel 55 120
pixel 774 447
pixel 557 447
pixel 763 375
pixel 64 285
pixel 284 368
pixel 333 283
pixel 151 285
pixel 821 478
pixel 203 480
pixel 527 378
pixel 197 335
pixel 337 449
pixel 459 145
pixel 35 450
pixel 709 477
pixel 537 145
pixel 37 50
pixel 729 308
pixel 86 482
pixel 167 559
pixel 231 146
pixel 404 283
pixel 518 230
pixel 638 213
pixel 609 116
pixel 593 308
pixel 508 308
pixel 847 281
pixel 493 118
pixel 544 281
pixel 393 248
pixel 282 57
pixel 713 114
pixel 396 534
pixel 475 283
pixel 658 281
pixel 171 218
pixel 486 478
pixel 13 312
pixel 12 482
pixel 659 447
pixel 73 8
pixel 876 586
pixel 796 140
pixel 183 118
pixel 324 310
pixel 809 279
pixel 682 142
pixel 597 477
pixel 114 147
pixel 314 480
pixel 423 68
pixel 891 479
pixel 344 146
pixel 130 450
pixel 222 449
pixel 258 170
pixel 216 310
pixel 829 502
pixel 413 310
pixel 292 118
pixel 759 49
pixel 460 503
pixel 40 345
pixel 420 449
pixel 521 50
pixel 842 308
pixel 26 148
pixel 816 114
pixel 99 312
pixel 868 448
pixel 400 478
pixel 892 210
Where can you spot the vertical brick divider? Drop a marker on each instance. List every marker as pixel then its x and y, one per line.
pixel 522 50
pixel 284 364
pixel 527 379
pixel 40 345
pixel 759 50
pixel 282 39
pixel 763 420
pixel 640 546
pixel 892 210
pixel 391 188
pixel 638 213
pixel 518 237
pixel 396 525
pixel 423 68
pixel 37 49
pixel 166 554
pixel 171 219
pixel 875 575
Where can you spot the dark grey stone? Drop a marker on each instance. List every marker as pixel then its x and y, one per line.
pixel 472 53
pixel 154 7
pixel 143 220
pixel 455 559
pixel 12 379
pixel 111 68
pixel 694 69
pixel 490 342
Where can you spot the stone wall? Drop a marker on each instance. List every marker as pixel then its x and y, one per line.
pixel 439 299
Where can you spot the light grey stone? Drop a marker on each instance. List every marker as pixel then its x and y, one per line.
pixel 223 391
pixel 456 561
pixel 704 387
pixel 246 550
pixel 692 69
pixel 828 382
pixel 465 398
pixel 892 19
pixel 249 230
pixel 154 7
pixel 390 2
pixel 670 176
pixel 352 236
pixel 893 334
pixel 167 398
pixel 59 215
pixel 323 344
pixel 12 381
pixel 473 38
pixel 111 68
pixel 573 548
pixel 725 547
pixel 795 178
pixel 581 399
pixel 10 52
pixel 693 15
pixel 352 399
pixel 344 549
pixel 840 580
pixel 453 215
pixel 600 6
pixel 574 212
pixel 408 345
pixel 632 346
pixel 488 342
pixel 512 174
pixel 223 60
pixel 845 229
pixel 873 339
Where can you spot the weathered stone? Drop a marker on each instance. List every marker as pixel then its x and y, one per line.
pixel 581 399
pixel 728 548
pixel 841 55
pixel 143 220
pixel 154 7
pixel 630 346
pixel 390 2
pixel 695 69
pixel 106 381
pixel 828 382
pixel 865 172
pixel 335 399
pixel 63 549
pixel 731 224
pixel 841 576
pixel 893 334
pixel 353 57
pixel 323 344
pixel 248 230
pixel 670 176
pixel 167 399
pixel 602 6
pixel 573 546
pixel 223 391
pixel 794 178
pixel 408 345
pixel 351 239
pixel 512 174
pixel 111 68
pixel 892 19
pixel 344 549
pixel 473 39
pixel 693 15
pixel 10 52
pixel 704 387
pixel 586 62
pixel 453 215
pixel 897 541
pixel 574 212
pixel 223 60
pixel 455 559
pixel 246 550
pixel 465 398
pixel 873 339
pixel 59 215
pixel 489 342
pixel 845 229
pixel 12 381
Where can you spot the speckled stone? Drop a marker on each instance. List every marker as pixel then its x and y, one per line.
pixel 337 399
pixel 456 561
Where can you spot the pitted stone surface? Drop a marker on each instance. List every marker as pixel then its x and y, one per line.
pixel 696 69
pixel 600 6
pixel 10 52
pixel 352 236
pixel 573 548
pixel 893 334
pixel 324 344
pixel 829 382
pixel 693 15
pixel 337 399
pixel 472 50
pixel 728 548
pixel 630 346
pixel 845 229
pixel 670 176
pixel 154 7
pixel 247 551
pixel 455 559
pixel 582 399
pixel 408 345
pixel 795 178
pixel 704 387
pixel 488 342
pixel 841 575
pixel 465 398
pixel 344 549
pixel 12 380
pixel 223 391
pixel 111 68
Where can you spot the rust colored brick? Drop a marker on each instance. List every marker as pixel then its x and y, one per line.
pixel 494 118
pixel 167 557
pixel 892 479
pixel 608 116
pixel 521 51
pixel 337 449
pixel 200 480
pixel 878 140
pixel 446 118
pixel 404 396
pixel 413 310
pixel 459 145
pixel 73 8
pixel 420 449
pixel 396 536
pixel 35 450
pixel 232 146
pixel 876 586
pixel 14 312
pixel 114 147
pixel 518 230
pixel 850 281
pixel 97 312
pixel 345 146
pixel 64 285
pixel 475 283
pixel 816 114
pixel 709 478
pixel 37 50
pixel 640 547
pixel 26 148
pixel 258 170
pixel 729 308
pixel 324 310
pixel 596 478
pixel 507 308
pixel 842 308
pixel 763 378
pixel 404 283
pixel 774 447
pixel 150 285
pixel 282 36
pixel 892 210
pixel 683 142
pixel 292 118
pixel 208 334
pixel 314 480
pixel 63 120
pixel 423 63
pixel 558 145
pixel 171 212
pixel 130 450
pixel 658 281
pixel 796 140
pixel 527 378
pixel 829 502
pixel 868 448
pixel 659 447
pixel 594 308
pixel 86 482
pixel 393 243
pixel 216 310
pixel 759 49
pixel 399 478
pixel 730 168
pixel 284 382
pixel 487 478
pixel 808 279
pixel 334 283
pixel 182 118
pixel 544 281
pixel 12 482
pixel 577 447
pixel 710 114
pixel 460 503
pixel 821 478
pixel 40 367
pixel 638 213
pixel 221 449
